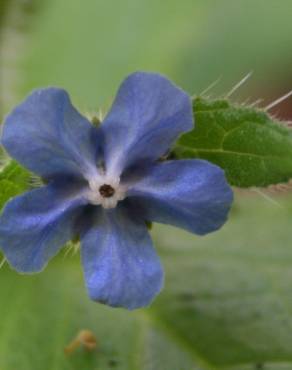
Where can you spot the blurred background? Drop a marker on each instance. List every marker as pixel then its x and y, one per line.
pixel 228 297
pixel 89 46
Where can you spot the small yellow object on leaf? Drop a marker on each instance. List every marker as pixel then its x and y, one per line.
pixel 84 338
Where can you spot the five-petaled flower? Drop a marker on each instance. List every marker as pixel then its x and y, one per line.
pixel 104 183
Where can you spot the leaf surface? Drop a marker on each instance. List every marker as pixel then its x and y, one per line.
pixel 252 148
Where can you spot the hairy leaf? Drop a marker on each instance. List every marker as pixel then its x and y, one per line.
pixel 252 148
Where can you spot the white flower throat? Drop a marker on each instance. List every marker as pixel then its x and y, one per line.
pixel 105 191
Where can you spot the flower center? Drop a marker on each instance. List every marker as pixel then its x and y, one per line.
pixel 106 191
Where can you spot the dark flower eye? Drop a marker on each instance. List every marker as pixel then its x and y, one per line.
pixel 106 191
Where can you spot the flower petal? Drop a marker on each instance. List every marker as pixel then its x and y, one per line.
pixel 34 226
pixel 120 264
pixel 191 194
pixel 148 114
pixel 47 135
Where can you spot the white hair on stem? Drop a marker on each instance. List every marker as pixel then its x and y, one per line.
pixel 238 85
pixel 278 101
pixel 72 249
pixel 210 87
pixel 267 197
pixel 100 115
pixel 2 263
pixel 256 103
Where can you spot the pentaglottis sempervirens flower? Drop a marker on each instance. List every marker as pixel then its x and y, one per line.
pixel 104 183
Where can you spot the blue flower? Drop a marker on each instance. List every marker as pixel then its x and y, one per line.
pixel 104 183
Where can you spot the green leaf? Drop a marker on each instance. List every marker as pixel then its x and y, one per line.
pixel 226 305
pixel 252 148
pixel 14 180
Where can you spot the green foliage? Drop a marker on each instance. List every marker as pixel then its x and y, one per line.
pixel 14 180
pixel 226 305
pixel 247 143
